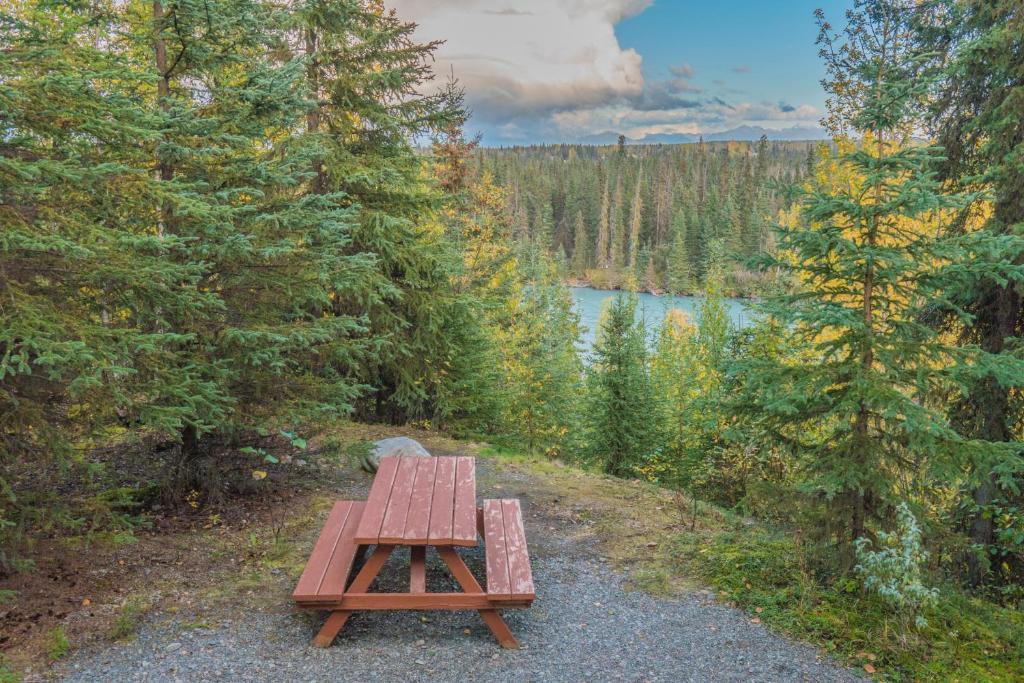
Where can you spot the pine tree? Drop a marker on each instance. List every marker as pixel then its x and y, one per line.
pixel 621 405
pixel 580 260
pixel 88 278
pixel 979 116
pixel 542 370
pixel 618 237
pixel 867 256
pixel 678 267
pixel 635 222
pixel 603 230
pixel 362 67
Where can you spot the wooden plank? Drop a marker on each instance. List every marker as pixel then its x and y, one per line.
pixel 460 571
pixel 368 532
pixel 333 585
pixel 464 516
pixel 313 575
pixel 442 503
pixel 393 527
pixel 417 523
pixel 498 584
pixel 360 584
pixel 519 574
pixel 502 633
pixel 418 569
pixel 389 601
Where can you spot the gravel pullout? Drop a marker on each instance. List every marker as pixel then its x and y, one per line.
pixel 584 625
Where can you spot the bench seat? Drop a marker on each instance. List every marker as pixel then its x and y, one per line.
pixel 326 574
pixel 509 579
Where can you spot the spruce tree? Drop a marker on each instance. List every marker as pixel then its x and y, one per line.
pixel 620 410
pixel 870 258
pixel 603 230
pixel 635 222
pixel 88 278
pixel 678 266
pixel 580 260
pixel 978 114
pixel 363 71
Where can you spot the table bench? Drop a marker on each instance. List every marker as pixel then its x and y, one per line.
pixel 419 502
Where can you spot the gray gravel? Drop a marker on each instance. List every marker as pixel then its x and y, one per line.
pixel 583 625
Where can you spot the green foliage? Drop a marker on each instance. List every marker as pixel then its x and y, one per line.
pixel 621 431
pixel 57 644
pixel 857 406
pixel 128 619
pixel 893 572
pixel 608 205
pixel 542 369
pixel 771 575
pixel 978 115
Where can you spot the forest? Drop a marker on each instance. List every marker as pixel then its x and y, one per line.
pixel 221 233
pixel 647 217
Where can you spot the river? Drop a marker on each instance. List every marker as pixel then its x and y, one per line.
pixel 589 302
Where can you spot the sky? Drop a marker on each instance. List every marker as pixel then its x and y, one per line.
pixel 567 70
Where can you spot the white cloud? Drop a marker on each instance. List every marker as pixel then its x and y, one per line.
pixel 554 70
pixel 531 56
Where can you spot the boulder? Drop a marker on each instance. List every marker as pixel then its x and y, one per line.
pixel 396 445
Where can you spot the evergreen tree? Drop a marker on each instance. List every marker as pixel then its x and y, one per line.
pixel 869 259
pixel 621 428
pixel 542 369
pixel 618 237
pixel 635 222
pixel 362 64
pixel 678 267
pixel 603 230
pixel 580 260
pixel 979 117
pixel 88 278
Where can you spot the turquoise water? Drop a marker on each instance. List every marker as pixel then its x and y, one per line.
pixel 589 302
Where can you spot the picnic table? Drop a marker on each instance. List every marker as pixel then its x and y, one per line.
pixel 418 502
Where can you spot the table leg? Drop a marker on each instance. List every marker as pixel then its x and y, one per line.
pixel 470 585
pixel 336 620
pixel 418 569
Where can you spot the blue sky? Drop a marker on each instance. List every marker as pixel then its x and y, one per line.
pixel 762 50
pixel 566 70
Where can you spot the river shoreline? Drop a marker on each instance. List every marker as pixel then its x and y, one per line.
pixel 654 291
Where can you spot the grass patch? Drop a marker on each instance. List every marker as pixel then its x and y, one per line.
pixel 765 573
pixel 128 620
pixel 57 645
pixel 653 535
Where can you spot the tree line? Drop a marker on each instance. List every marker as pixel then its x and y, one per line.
pixel 881 379
pixel 645 216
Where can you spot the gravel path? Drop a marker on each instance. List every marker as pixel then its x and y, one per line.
pixel 583 625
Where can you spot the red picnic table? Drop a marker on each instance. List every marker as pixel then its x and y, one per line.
pixel 418 502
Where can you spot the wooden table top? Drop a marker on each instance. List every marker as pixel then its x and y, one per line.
pixel 421 501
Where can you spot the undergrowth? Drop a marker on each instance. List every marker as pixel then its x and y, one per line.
pixel 652 533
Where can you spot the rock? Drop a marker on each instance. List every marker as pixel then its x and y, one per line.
pixel 398 445
pixel 173 646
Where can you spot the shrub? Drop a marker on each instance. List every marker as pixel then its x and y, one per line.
pixel 893 572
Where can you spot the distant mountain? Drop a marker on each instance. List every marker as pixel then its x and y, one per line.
pixel 755 133
pixel 745 133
